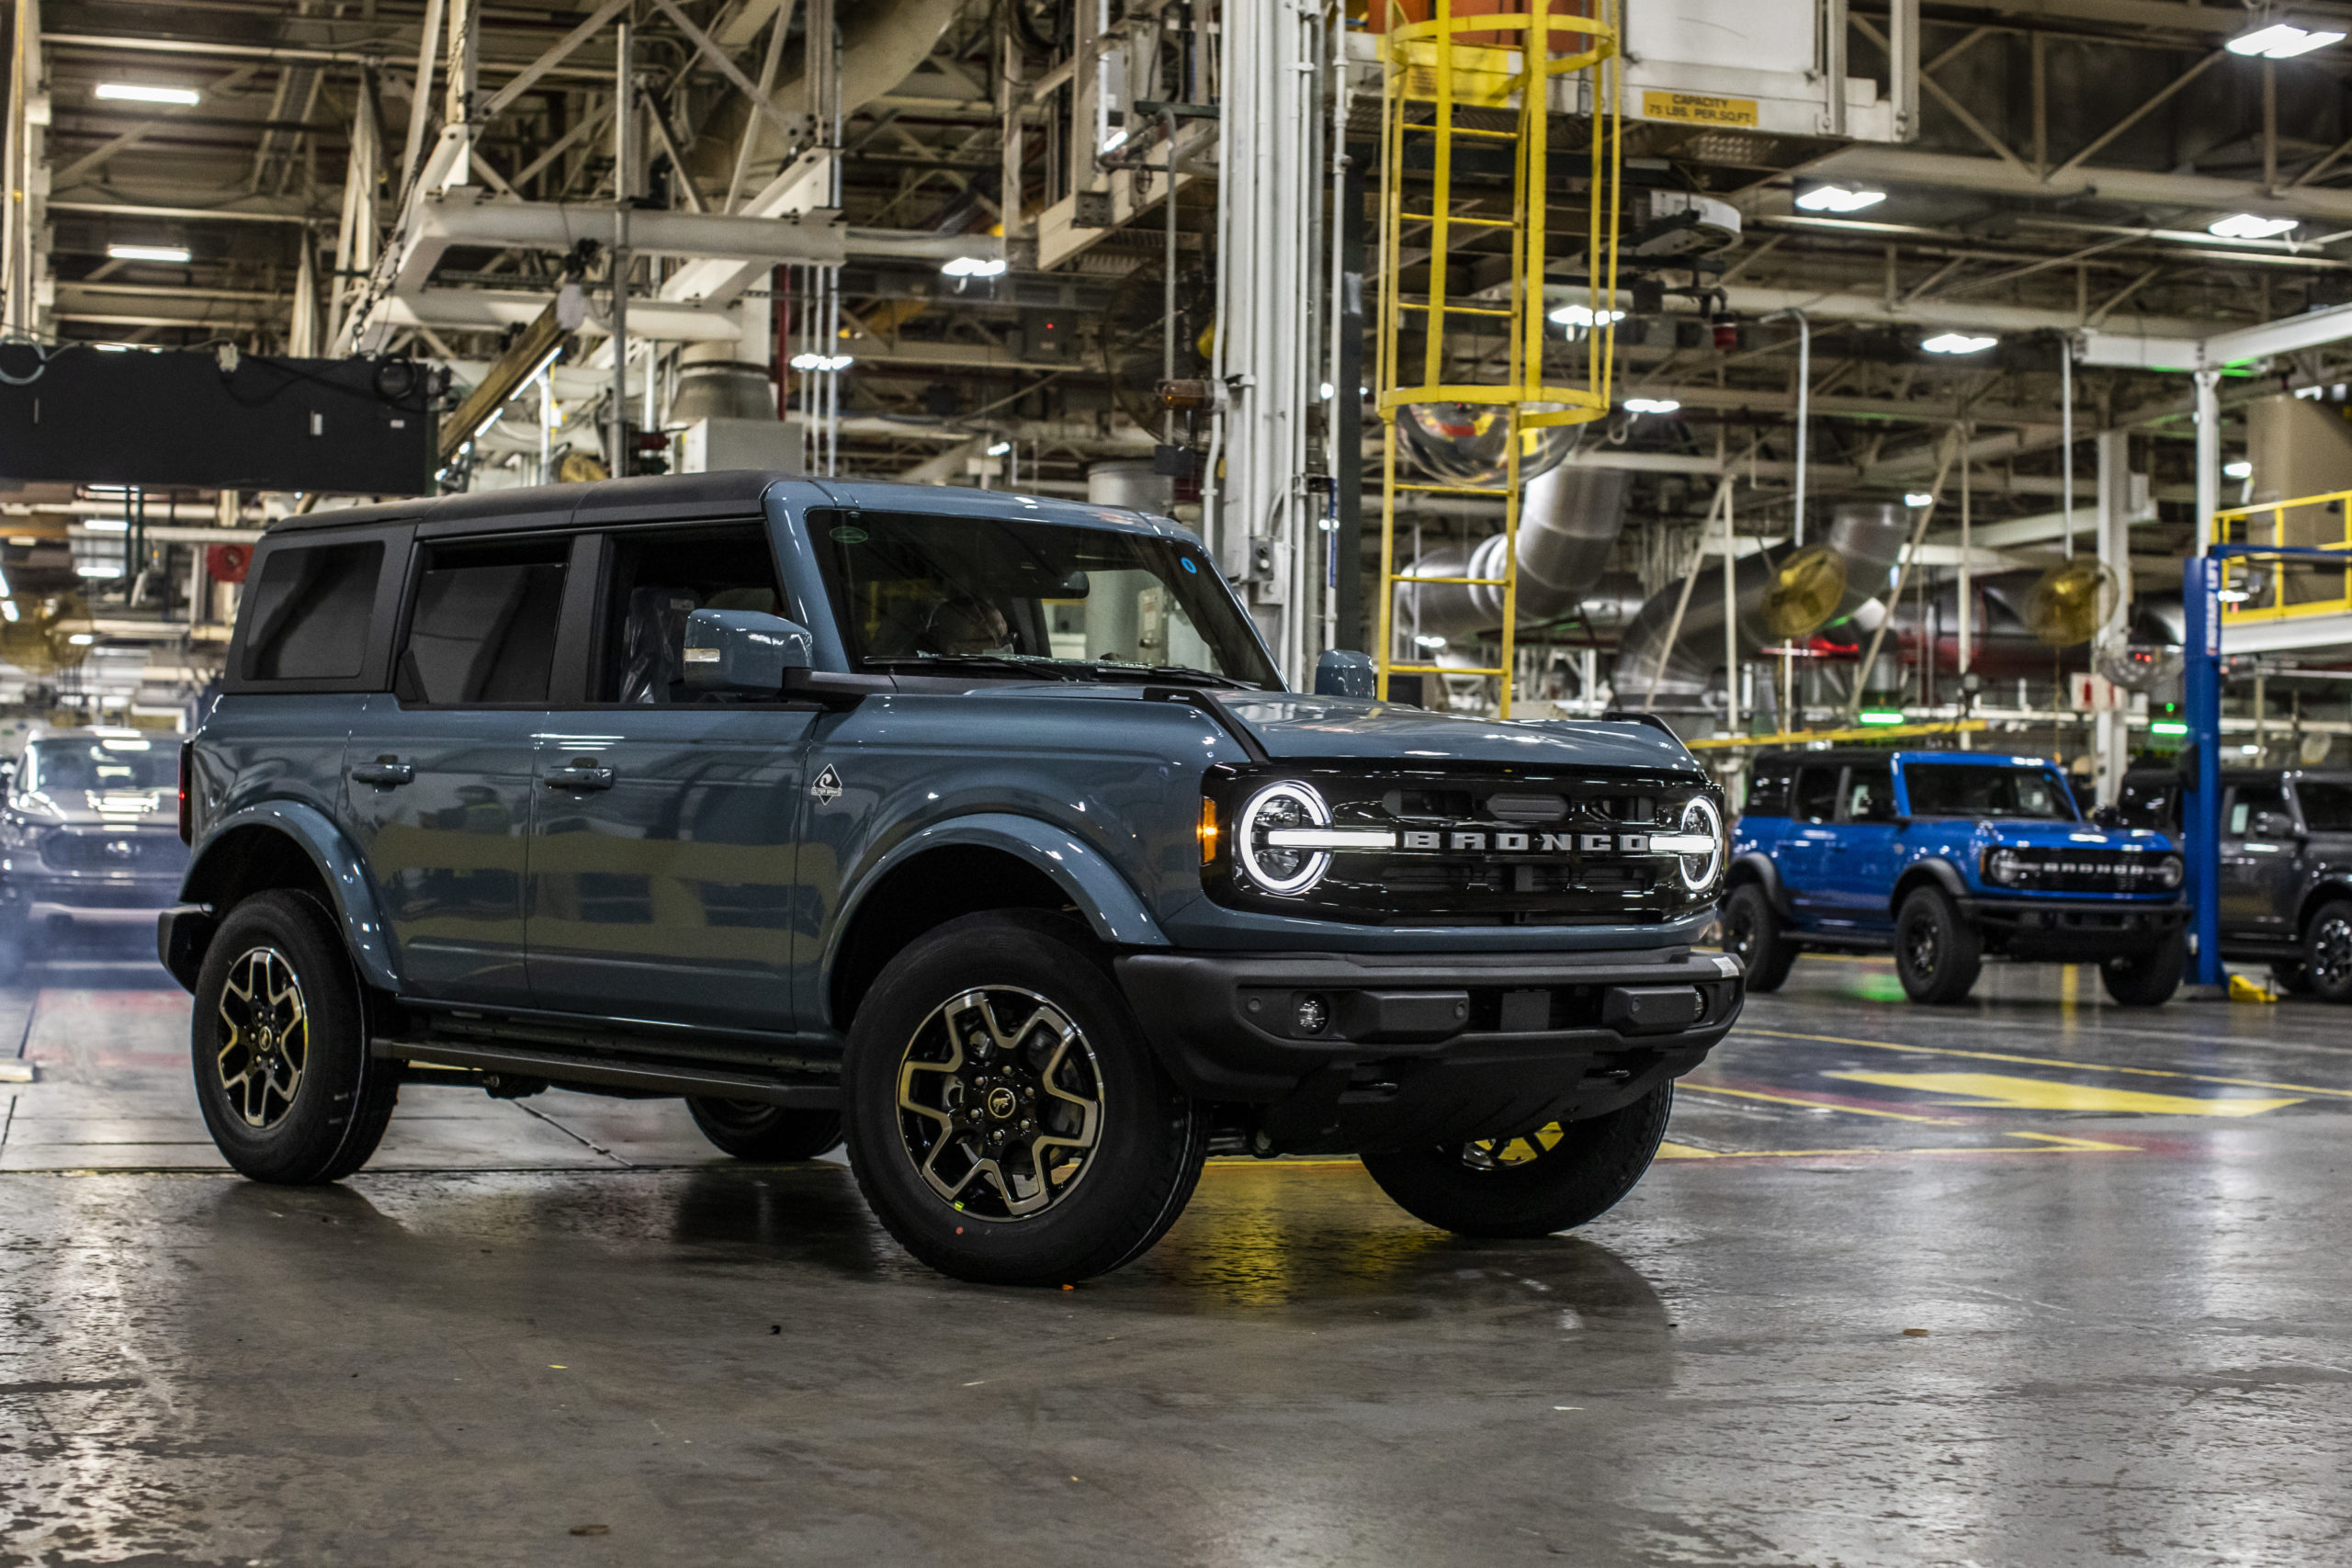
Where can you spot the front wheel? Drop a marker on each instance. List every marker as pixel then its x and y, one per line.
pixel 1551 1179
pixel 2327 951
pixel 2290 977
pixel 1007 1121
pixel 283 1073
pixel 751 1128
pixel 1936 954
pixel 2146 979
pixel 1752 933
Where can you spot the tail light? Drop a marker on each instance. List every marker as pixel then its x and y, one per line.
pixel 187 784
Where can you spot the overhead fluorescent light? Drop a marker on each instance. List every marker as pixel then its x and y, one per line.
pixel 9 612
pixel 2249 226
pixel 108 524
pixel 1919 498
pixel 2167 726
pixel 999 449
pixel 1582 316
pixel 2282 40
pixel 1651 405
pixel 83 640
pixel 141 93
pixel 2241 469
pixel 974 266
pixel 148 253
pixel 823 361
pixel 1958 343
pixel 1838 199
pixel 1880 715
pixel 98 569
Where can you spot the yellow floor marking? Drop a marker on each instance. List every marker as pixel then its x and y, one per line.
pixel 2001 1091
pixel 2051 1144
pixel 2050 1062
pixel 1686 1086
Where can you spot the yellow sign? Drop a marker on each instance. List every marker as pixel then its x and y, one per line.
pixel 1697 109
pixel 1992 1090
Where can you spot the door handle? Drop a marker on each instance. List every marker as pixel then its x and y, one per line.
pixel 579 778
pixel 384 773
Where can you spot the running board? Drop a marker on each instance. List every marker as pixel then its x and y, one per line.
pixel 562 1069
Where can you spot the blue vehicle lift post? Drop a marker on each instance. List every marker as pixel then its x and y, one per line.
pixel 2200 795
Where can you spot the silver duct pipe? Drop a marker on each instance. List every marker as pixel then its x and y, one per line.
pixel 1869 537
pixel 1567 527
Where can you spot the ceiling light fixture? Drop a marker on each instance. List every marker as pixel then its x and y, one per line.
pixel 2241 469
pixel 1582 316
pixel 1000 448
pixel 2282 40
pixel 974 266
pixel 1958 343
pixel 1919 498
pixel 148 253
pixel 1651 405
pixel 1838 199
pixel 823 361
pixel 2249 226
pixel 141 93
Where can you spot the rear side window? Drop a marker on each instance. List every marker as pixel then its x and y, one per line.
pixel 310 612
pixel 2327 806
pixel 1815 796
pixel 484 627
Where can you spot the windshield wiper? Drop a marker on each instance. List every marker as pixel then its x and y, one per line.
pixel 1019 664
pixel 1060 669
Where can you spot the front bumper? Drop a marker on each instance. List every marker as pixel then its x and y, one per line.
pixel 2071 928
pixel 1354 1051
pixel 89 905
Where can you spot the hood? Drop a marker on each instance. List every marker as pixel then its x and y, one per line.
pixel 2004 833
pixel 1295 728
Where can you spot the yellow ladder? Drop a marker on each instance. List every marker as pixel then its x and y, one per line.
pixel 1428 77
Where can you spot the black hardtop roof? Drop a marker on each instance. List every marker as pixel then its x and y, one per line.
pixel 1847 755
pixel 684 497
pixel 2171 771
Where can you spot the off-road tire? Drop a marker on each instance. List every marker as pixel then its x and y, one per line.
pixel 749 1128
pixel 1149 1140
pixel 1937 955
pixel 2146 979
pixel 2289 976
pixel 1577 1178
pixel 335 1113
pixel 2327 951
pixel 1752 934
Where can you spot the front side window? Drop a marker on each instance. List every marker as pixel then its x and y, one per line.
pixel 1986 789
pixel 659 578
pixel 483 629
pixel 310 612
pixel 1090 603
pixel 1870 795
pixel 2328 805
pixel 2250 801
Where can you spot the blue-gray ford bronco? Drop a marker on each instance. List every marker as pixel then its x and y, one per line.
pixel 973 830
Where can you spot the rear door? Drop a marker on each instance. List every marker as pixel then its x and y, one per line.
pixel 664 862
pixel 437 777
pixel 1803 852
pixel 2260 870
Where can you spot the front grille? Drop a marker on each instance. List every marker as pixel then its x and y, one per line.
pixel 1494 845
pixel 2078 871
pixel 144 853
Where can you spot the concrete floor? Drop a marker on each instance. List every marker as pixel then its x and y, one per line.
pixel 2034 1282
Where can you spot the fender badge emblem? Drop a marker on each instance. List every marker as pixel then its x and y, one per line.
pixel 827 785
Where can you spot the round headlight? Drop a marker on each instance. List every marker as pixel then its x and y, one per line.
pixel 2004 867
pixel 1700 816
pixel 2168 872
pixel 1288 805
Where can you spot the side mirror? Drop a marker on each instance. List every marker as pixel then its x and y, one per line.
pixel 1343 674
pixel 2272 825
pixel 742 652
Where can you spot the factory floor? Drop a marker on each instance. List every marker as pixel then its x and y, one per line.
pixel 2032 1281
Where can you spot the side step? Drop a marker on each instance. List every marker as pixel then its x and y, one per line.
pixel 560 1068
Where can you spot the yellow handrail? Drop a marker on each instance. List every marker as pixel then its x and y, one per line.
pixel 2244 581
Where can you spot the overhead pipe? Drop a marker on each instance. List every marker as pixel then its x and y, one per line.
pixel 1567 529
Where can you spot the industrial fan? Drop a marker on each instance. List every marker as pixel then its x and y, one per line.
pixel 2072 599
pixel 1805 592
pixel 39 639
pixel 2136 666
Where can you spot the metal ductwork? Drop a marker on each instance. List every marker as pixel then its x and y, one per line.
pixel 1868 538
pixel 1567 527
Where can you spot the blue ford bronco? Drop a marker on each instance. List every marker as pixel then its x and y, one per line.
pixel 975 829
pixel 1946 857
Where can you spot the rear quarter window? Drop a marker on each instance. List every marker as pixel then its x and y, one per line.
pixel 311 612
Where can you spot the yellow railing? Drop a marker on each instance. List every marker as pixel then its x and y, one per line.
pixel 2256 589
pixel 1427 69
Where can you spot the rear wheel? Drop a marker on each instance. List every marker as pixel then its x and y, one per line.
pixel 2327 951
pixel 2146 979
pixel 1936 954
pixel 1752 934
pixel 283 1073
pixel 751 1128
pixel 1551 1179
pixel 1007 1119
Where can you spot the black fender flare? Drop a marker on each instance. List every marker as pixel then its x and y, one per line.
pixel 1758 868
pixel 2327 889
pixel 1943 873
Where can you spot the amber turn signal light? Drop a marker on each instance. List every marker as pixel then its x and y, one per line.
pixel 1208 832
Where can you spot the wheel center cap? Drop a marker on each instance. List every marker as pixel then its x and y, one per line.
pixel 1002 1102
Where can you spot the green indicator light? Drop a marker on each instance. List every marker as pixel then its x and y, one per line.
pixel 2163 727
pixel 1880 715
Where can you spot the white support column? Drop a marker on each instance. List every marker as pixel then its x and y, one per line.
pixel 2111 738
pixel 24 267
pixel 2209 454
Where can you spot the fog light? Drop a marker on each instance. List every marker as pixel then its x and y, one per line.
pixel 1311 1014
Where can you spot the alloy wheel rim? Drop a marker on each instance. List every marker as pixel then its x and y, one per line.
pixel 1503 1154
pixel 1000 1103
pixel 2331 959
pixel 266 1036
pixel 1743 934
pixel 1921 946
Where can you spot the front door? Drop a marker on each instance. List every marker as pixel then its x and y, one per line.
pixel 438 778
pixel 2260 869
pixel 1860 869
pixel 663 865
pixel 1803 853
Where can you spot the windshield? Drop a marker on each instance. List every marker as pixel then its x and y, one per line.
pixel 1087 603
pixel 2327 806
pixel 105 767
pixel 1980 789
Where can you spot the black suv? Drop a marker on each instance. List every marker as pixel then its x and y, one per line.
pixel 2285 856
